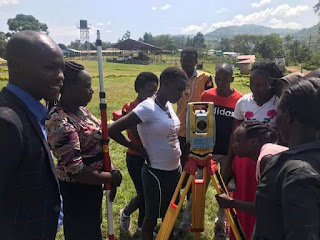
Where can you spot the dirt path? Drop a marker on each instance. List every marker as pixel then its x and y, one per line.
pixel 292 69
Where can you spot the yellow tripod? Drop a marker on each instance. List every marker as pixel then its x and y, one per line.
pixel 208 166
pixel 201 136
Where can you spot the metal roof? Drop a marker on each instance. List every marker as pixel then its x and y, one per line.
pixel 130 44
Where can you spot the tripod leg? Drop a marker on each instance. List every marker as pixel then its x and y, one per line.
pixel 199 188
pixel 173 209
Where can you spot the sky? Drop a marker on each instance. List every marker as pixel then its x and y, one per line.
pixel 114 18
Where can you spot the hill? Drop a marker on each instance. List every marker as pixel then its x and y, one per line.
pixel 304 34
pixel 228 32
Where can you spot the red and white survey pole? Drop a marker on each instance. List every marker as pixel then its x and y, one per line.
pixel 105 137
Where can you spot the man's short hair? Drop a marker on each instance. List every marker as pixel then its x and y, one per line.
pixel 171 74
pixel 225 67
pixel 143 78
pixel 190 50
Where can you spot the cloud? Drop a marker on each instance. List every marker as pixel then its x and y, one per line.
pixel 100 24
pixel 290 11
pixel 276 23
pixel 193 29
pixel 67 31
pixel 165 7
pixel 8 2
pixel 221 10
pixel 281 11
pixel 272 16
pixel 259 4
pixel 108 31
pixel 108 23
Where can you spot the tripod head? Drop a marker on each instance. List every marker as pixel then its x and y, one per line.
pixel 201 127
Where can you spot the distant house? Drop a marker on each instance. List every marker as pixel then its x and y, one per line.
pixel 230 54
pixel 281 62
pixel 245 62
pixel 69 52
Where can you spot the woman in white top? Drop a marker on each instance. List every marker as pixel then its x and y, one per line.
pixel 261 105
pixel 157 126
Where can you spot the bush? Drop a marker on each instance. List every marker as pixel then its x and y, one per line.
pixel 309 66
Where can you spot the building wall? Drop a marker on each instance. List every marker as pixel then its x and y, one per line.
pixel 245 68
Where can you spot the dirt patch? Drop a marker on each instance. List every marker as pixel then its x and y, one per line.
pixel 292 69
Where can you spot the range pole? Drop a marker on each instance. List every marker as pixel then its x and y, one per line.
pixel 105 137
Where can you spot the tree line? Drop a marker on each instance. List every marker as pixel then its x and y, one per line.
pixel 270 46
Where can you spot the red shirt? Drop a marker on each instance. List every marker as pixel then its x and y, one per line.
pixel 128 107
pixel 223 110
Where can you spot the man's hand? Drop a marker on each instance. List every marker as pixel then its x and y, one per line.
pixel 224 201
pixel 116 178
pixel 113 193
pixel 144 154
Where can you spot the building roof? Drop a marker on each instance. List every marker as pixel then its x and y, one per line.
pixel 246 61
pixel 108 50
pixel 244 57
pixel 130 44
pixel 73 50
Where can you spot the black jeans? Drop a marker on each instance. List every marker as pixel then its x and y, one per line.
pixel 82 211
pixel 134 165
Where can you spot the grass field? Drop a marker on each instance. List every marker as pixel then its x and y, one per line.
pixel 119 81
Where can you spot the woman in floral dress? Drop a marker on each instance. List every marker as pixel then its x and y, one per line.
pixel 74 136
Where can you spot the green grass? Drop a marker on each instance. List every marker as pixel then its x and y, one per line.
pixel 119 81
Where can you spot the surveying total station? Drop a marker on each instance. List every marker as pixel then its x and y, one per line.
pixel 201 136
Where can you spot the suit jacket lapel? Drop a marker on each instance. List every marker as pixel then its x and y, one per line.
pixel 43 140
pixel 36 127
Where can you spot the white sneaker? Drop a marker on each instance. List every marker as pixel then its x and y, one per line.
pixel 124 221
pixel 139 229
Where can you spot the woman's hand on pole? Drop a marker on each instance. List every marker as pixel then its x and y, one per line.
pixel 113 193
pixel 116 178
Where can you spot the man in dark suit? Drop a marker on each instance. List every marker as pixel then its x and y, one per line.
pixel 29 190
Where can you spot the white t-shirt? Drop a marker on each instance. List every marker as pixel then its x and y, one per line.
pixel 247 109
pixel 159 134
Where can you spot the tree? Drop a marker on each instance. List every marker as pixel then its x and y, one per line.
pixel 243 43
pixel 126 36
pixel 93 46
pixel 26 22
pixel 189 41
pixel 164 41
pixel 316 8
pixel 62 46
pixel 225 45
pixel 147 38
pixel 106 45
pixel 269 46
pixel 76 44
pixel 3 44
pixel 179 41
pixel 304 54
pixel 198 41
